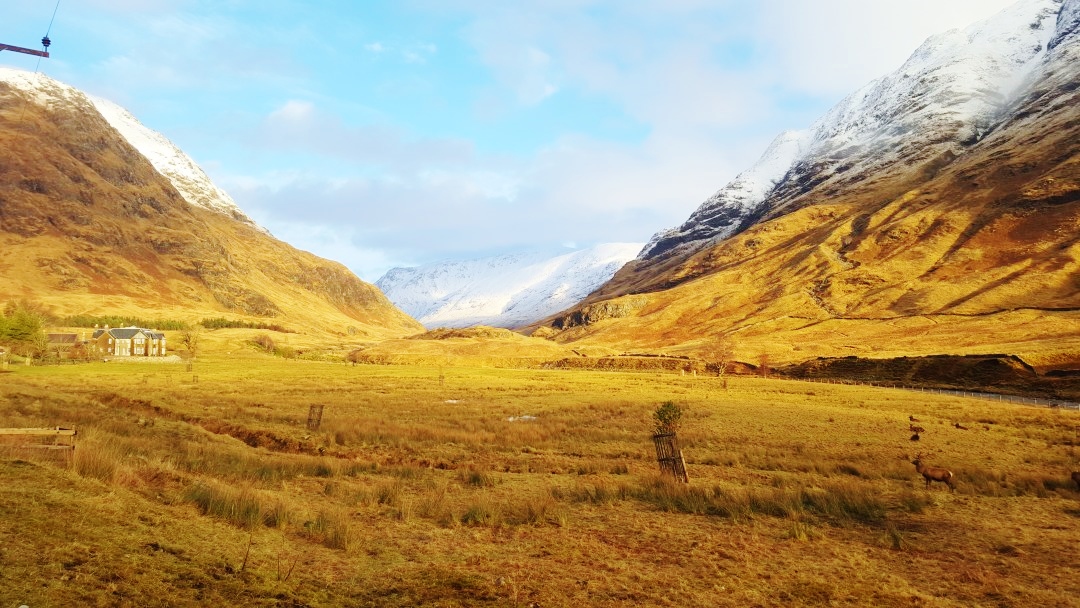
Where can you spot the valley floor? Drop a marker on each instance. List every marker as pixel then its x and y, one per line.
pixel 452 486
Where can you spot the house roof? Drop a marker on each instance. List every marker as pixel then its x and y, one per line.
pixel 62 338
pixel 126 333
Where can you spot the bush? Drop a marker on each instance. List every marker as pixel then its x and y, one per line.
pixel 667 417
pixel 264 342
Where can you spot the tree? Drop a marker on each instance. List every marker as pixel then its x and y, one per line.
pixel 763 366
pixel 667 418
pixel 718 355
pixel 190 339
pixel 24 329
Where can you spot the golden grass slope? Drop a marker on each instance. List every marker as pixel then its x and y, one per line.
pixel 479 346
pixel 453 486
pixel 87 226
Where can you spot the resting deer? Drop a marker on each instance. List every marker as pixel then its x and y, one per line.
pixel 916 429
pixel 960 426
pixel 945 476
pixel 1076 478
pixel 912 418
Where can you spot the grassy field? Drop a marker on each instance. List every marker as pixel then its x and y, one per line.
pixel 447 485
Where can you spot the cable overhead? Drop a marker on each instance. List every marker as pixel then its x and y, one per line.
pixel 53 18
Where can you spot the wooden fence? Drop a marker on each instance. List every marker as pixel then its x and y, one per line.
pixel 15 440
pixel 670 456
pixel 314 417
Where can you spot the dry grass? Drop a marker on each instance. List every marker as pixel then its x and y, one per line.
pixel 454 486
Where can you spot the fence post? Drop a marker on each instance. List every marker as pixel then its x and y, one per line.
pixel 314 417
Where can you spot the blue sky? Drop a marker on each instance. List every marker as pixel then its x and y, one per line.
pixel 388 134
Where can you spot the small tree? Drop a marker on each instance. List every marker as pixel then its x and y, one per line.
pixel 265 342
pixel 667 418
pixel 24 329
pixel 718 355
pixel 190 339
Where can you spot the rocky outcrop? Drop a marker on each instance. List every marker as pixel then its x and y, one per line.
pixel 593 313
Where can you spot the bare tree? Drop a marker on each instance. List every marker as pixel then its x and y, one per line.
pixel 190 339
pixel 718 355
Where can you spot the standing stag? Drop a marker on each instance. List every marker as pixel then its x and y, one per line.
pixel 945 476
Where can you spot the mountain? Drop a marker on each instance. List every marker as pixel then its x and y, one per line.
pixel 933 210
pixel 946 97
pixel 185 175
pixel 504 291
pixel 92 222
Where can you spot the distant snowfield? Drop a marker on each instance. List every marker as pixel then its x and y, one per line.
pixel 505 291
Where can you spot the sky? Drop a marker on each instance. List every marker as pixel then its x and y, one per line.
pixel 400 133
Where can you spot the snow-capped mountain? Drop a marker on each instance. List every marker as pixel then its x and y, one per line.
pixel 505 291
pixel 949 94
pixel 185 175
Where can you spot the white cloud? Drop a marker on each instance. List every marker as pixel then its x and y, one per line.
pixel 299 125
pixel 712 82
pixel 831 47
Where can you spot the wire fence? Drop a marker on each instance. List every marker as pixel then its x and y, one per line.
pixel 1017 399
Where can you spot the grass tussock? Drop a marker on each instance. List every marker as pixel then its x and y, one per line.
pixel 333 528
pixel 243 507
pixel 98 460
pixel 837 501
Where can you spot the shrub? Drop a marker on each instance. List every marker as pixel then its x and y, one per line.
pixel 667 417
pixel 264 342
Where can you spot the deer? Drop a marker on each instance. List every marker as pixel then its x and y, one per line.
pixel 912 418
pixel 960 426
pixel 916 429
pixel 915 437
pixel 945 476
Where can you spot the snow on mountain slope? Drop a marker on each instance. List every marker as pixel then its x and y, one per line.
pixel 504 291
pixel 185 175
pixel 950 93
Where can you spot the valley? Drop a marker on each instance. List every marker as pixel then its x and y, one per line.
pixel 454 484
pixel 481 431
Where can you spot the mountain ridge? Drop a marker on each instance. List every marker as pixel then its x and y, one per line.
pixel 869 127
pixel 89 226
pixel 937 243
pixel 508 291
